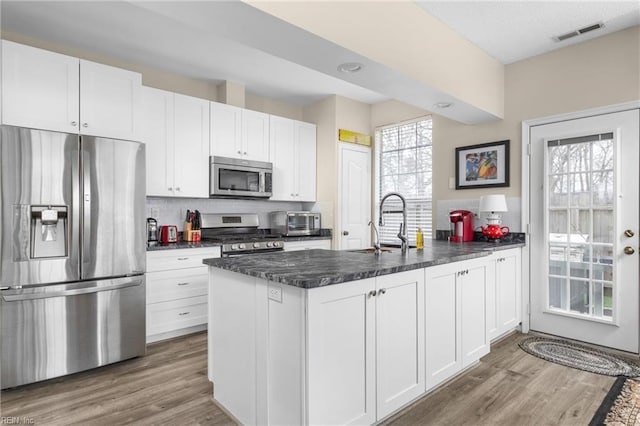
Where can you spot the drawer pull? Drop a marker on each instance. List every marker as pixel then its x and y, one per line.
pixel 183 258
pixel 184 313
pixel 183 283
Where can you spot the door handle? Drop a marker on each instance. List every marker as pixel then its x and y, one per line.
pixel 629 233
pixel 345 233
pixel 629 250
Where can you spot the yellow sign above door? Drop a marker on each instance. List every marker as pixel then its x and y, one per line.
pixel 354 137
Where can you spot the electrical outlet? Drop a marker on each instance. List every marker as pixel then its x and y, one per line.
pixel 155 212
pixel 275 294
pixel 452 182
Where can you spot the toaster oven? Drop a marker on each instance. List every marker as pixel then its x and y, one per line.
pixel 295 223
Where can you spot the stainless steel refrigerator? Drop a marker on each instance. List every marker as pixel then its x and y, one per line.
pixel 72 246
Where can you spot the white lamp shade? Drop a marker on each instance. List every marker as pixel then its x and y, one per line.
pixel 493 203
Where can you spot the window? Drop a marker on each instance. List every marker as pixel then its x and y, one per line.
pixel 404 165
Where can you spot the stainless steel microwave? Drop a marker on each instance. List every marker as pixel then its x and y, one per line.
pixel 295 223
pixel 236 178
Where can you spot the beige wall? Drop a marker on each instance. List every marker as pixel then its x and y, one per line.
pixel 405 38
pixel 599 72
pixel 272 106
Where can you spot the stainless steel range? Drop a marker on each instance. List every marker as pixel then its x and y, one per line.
pixel 239 234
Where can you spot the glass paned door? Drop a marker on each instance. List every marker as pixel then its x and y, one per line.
pixel 579 221
pixel 584 196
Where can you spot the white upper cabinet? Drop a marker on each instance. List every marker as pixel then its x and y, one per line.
pixel 255 135
pixel 157 134
pixel 109 101
pixel 176 132
pixel 305 161
pixel 226 130
pixel 239 133
pixel 293 154
pixel 50 91
pixel 191 141
pixel 40 89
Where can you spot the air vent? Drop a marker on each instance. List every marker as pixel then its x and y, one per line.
pixel 578 32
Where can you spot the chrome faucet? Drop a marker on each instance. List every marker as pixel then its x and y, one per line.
pixel 402 233
pixel 376 244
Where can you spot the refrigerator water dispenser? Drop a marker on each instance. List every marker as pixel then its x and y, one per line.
pixel 48 231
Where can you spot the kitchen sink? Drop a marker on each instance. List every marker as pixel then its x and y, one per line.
pixel 371 250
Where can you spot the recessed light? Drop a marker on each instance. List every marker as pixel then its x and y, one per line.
pixel 350 67
pixel 443 105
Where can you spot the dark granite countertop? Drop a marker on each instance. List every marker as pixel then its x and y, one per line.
pixel 316 268
pixel 182 245
pixel 307 238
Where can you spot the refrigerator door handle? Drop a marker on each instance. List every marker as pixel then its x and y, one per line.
pixel 43 294
pixel 75 236
pixel 85 232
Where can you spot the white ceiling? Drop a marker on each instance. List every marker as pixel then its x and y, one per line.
pixel 514 30
pixel 230 40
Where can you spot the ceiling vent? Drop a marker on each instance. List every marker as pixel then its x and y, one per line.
pixel 578 32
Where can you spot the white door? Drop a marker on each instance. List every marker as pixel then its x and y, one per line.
pixel 355 197
pixel 584 229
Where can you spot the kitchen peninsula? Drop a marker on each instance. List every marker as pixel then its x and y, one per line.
pixel 339 337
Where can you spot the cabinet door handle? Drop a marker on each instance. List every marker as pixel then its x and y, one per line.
pixel 74 124
pixel 239 152
pixel 170 188
pixel 85 125
pixel 629 233
pixel 177 188
pixel 183 283
pixel 245 153
pixel 382 291
pixel 373 293
pixel 183 258
pixel 184 313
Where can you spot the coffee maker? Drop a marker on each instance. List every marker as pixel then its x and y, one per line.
pixel 461 226
pixel 152 231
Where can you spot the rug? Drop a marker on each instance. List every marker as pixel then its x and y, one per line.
pixel 578 356
pixel 621 406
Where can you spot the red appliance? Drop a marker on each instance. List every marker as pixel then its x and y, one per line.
pixel 461 226
pixel 168 234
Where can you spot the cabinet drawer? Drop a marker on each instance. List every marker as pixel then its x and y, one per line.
pixel 175 315
pixel 164 260
pixel 177 284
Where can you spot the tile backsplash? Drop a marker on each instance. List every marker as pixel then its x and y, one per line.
pixel 511 218
pixel 171 211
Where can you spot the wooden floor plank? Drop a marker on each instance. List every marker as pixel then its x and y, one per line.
pixel 169 386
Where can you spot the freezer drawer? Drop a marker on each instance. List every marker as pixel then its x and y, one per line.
pixel 54 330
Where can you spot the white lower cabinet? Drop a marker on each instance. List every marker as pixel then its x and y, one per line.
pixel 350 353
pixel 307 245
pixel 455 317
pixel 504 294
pixel 177 283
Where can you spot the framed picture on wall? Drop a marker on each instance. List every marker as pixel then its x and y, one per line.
pixel 484 165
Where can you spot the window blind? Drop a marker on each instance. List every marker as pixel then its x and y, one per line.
pixel 404 165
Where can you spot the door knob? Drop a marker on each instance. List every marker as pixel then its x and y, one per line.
pixel 629 250
pixel 345 232
pixel 629 233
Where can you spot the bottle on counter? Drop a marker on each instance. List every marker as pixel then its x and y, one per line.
pixel 419 239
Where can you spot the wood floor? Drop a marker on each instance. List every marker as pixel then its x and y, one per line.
pixel 170 386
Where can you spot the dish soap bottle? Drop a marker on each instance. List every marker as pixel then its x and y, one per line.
pixel 419 239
